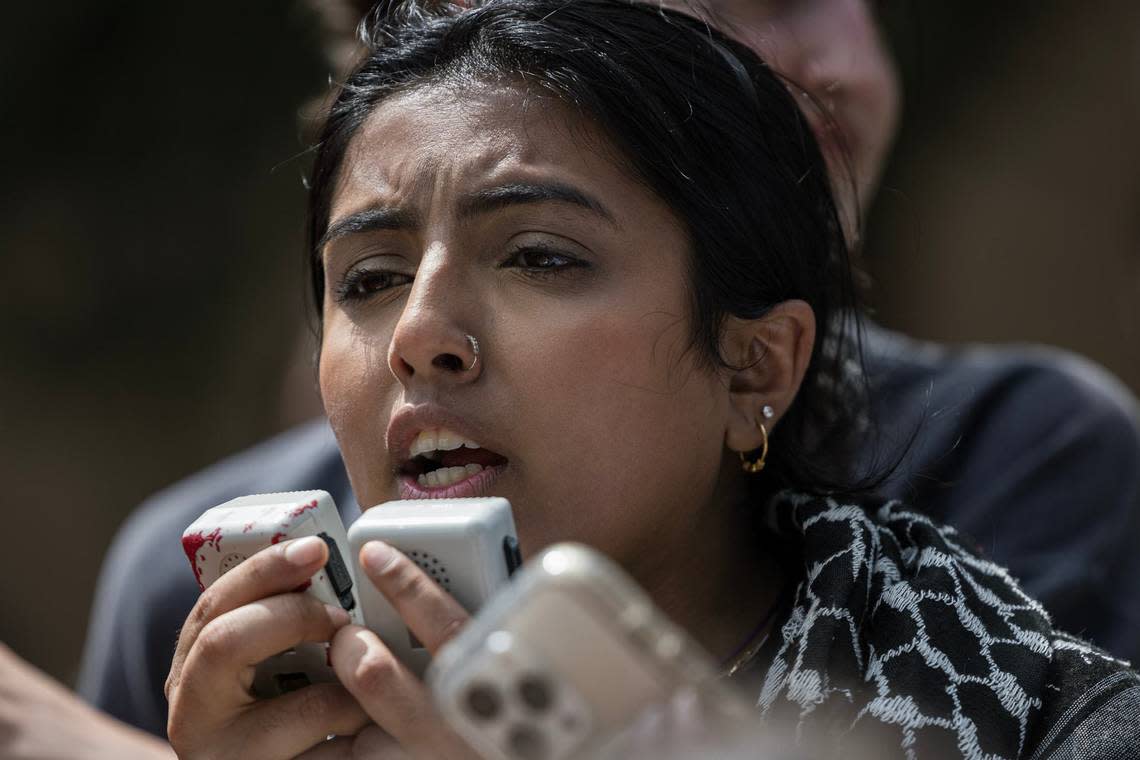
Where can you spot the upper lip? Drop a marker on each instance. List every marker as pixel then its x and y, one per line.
pixel 409 421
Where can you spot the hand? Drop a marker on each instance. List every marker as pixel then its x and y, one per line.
pixel 41 720
pixel 246 616
pixel 407 723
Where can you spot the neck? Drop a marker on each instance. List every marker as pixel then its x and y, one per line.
pixel 715 578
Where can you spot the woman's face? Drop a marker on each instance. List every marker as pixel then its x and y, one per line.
pixel 488 213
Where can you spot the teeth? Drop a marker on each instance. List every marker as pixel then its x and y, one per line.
pixel 439 439
pixel 424 443
pixel 445 476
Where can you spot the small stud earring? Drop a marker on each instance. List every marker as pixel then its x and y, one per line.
pixel 768 412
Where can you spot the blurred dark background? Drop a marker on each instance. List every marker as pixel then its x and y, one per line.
pixel 151 236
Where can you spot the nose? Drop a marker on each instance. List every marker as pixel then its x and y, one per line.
pixel 430 343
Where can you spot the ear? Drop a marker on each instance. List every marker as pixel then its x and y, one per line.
pixel 770 356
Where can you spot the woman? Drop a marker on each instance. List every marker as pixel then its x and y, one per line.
pixel 595 241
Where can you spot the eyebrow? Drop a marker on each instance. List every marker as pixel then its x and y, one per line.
pixel 494 198
pixel 375 218
pixel 479 202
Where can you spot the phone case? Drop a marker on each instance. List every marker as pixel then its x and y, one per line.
pixel 468 546
pixel 564 659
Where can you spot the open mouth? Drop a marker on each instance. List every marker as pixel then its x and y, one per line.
pixel 440 458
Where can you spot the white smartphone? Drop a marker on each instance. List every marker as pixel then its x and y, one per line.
pixel 228 534
pixel 563 660
pixel 468 546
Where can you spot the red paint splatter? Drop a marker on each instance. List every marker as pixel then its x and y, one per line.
pixel 293 513
pixel 192 542
pixel 248 527
pixel 304 508
pixel 304 586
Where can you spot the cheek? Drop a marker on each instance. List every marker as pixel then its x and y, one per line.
pixel 355 385
pixel 627 429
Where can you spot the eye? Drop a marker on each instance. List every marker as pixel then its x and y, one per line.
pixel 361 283
pixel 541 259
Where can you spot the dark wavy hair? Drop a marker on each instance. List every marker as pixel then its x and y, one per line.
pixel 702 122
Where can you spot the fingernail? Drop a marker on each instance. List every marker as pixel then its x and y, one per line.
pixel 338 615
pixel 376 555
pixel 304 551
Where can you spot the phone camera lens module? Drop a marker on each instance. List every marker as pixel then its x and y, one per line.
pixel 483 701
pixel 526 743
pixel 535 693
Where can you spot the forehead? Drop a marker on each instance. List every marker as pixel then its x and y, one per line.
pixel 424 145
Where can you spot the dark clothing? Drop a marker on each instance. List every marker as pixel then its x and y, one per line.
pixel 900 638
pixel 1034 453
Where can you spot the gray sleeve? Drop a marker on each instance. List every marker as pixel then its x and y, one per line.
pixel 145 591
pixel 1109 730
pixel 1092 707
pixel 146 588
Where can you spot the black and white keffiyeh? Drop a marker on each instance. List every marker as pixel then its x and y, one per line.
pixel 902 636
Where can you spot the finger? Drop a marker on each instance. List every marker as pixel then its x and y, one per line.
pixel 337 748
pixel 300 721
pixel 430 613
pixel 371 742
pixel 396 699
pixel 279 727
pixel 273 570
pixel 375 742
pixel 230 644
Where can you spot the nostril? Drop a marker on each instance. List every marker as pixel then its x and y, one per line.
pixel 400 367
pixel 449 362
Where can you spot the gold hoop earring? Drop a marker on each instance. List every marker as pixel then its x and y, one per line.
pixel 754 466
